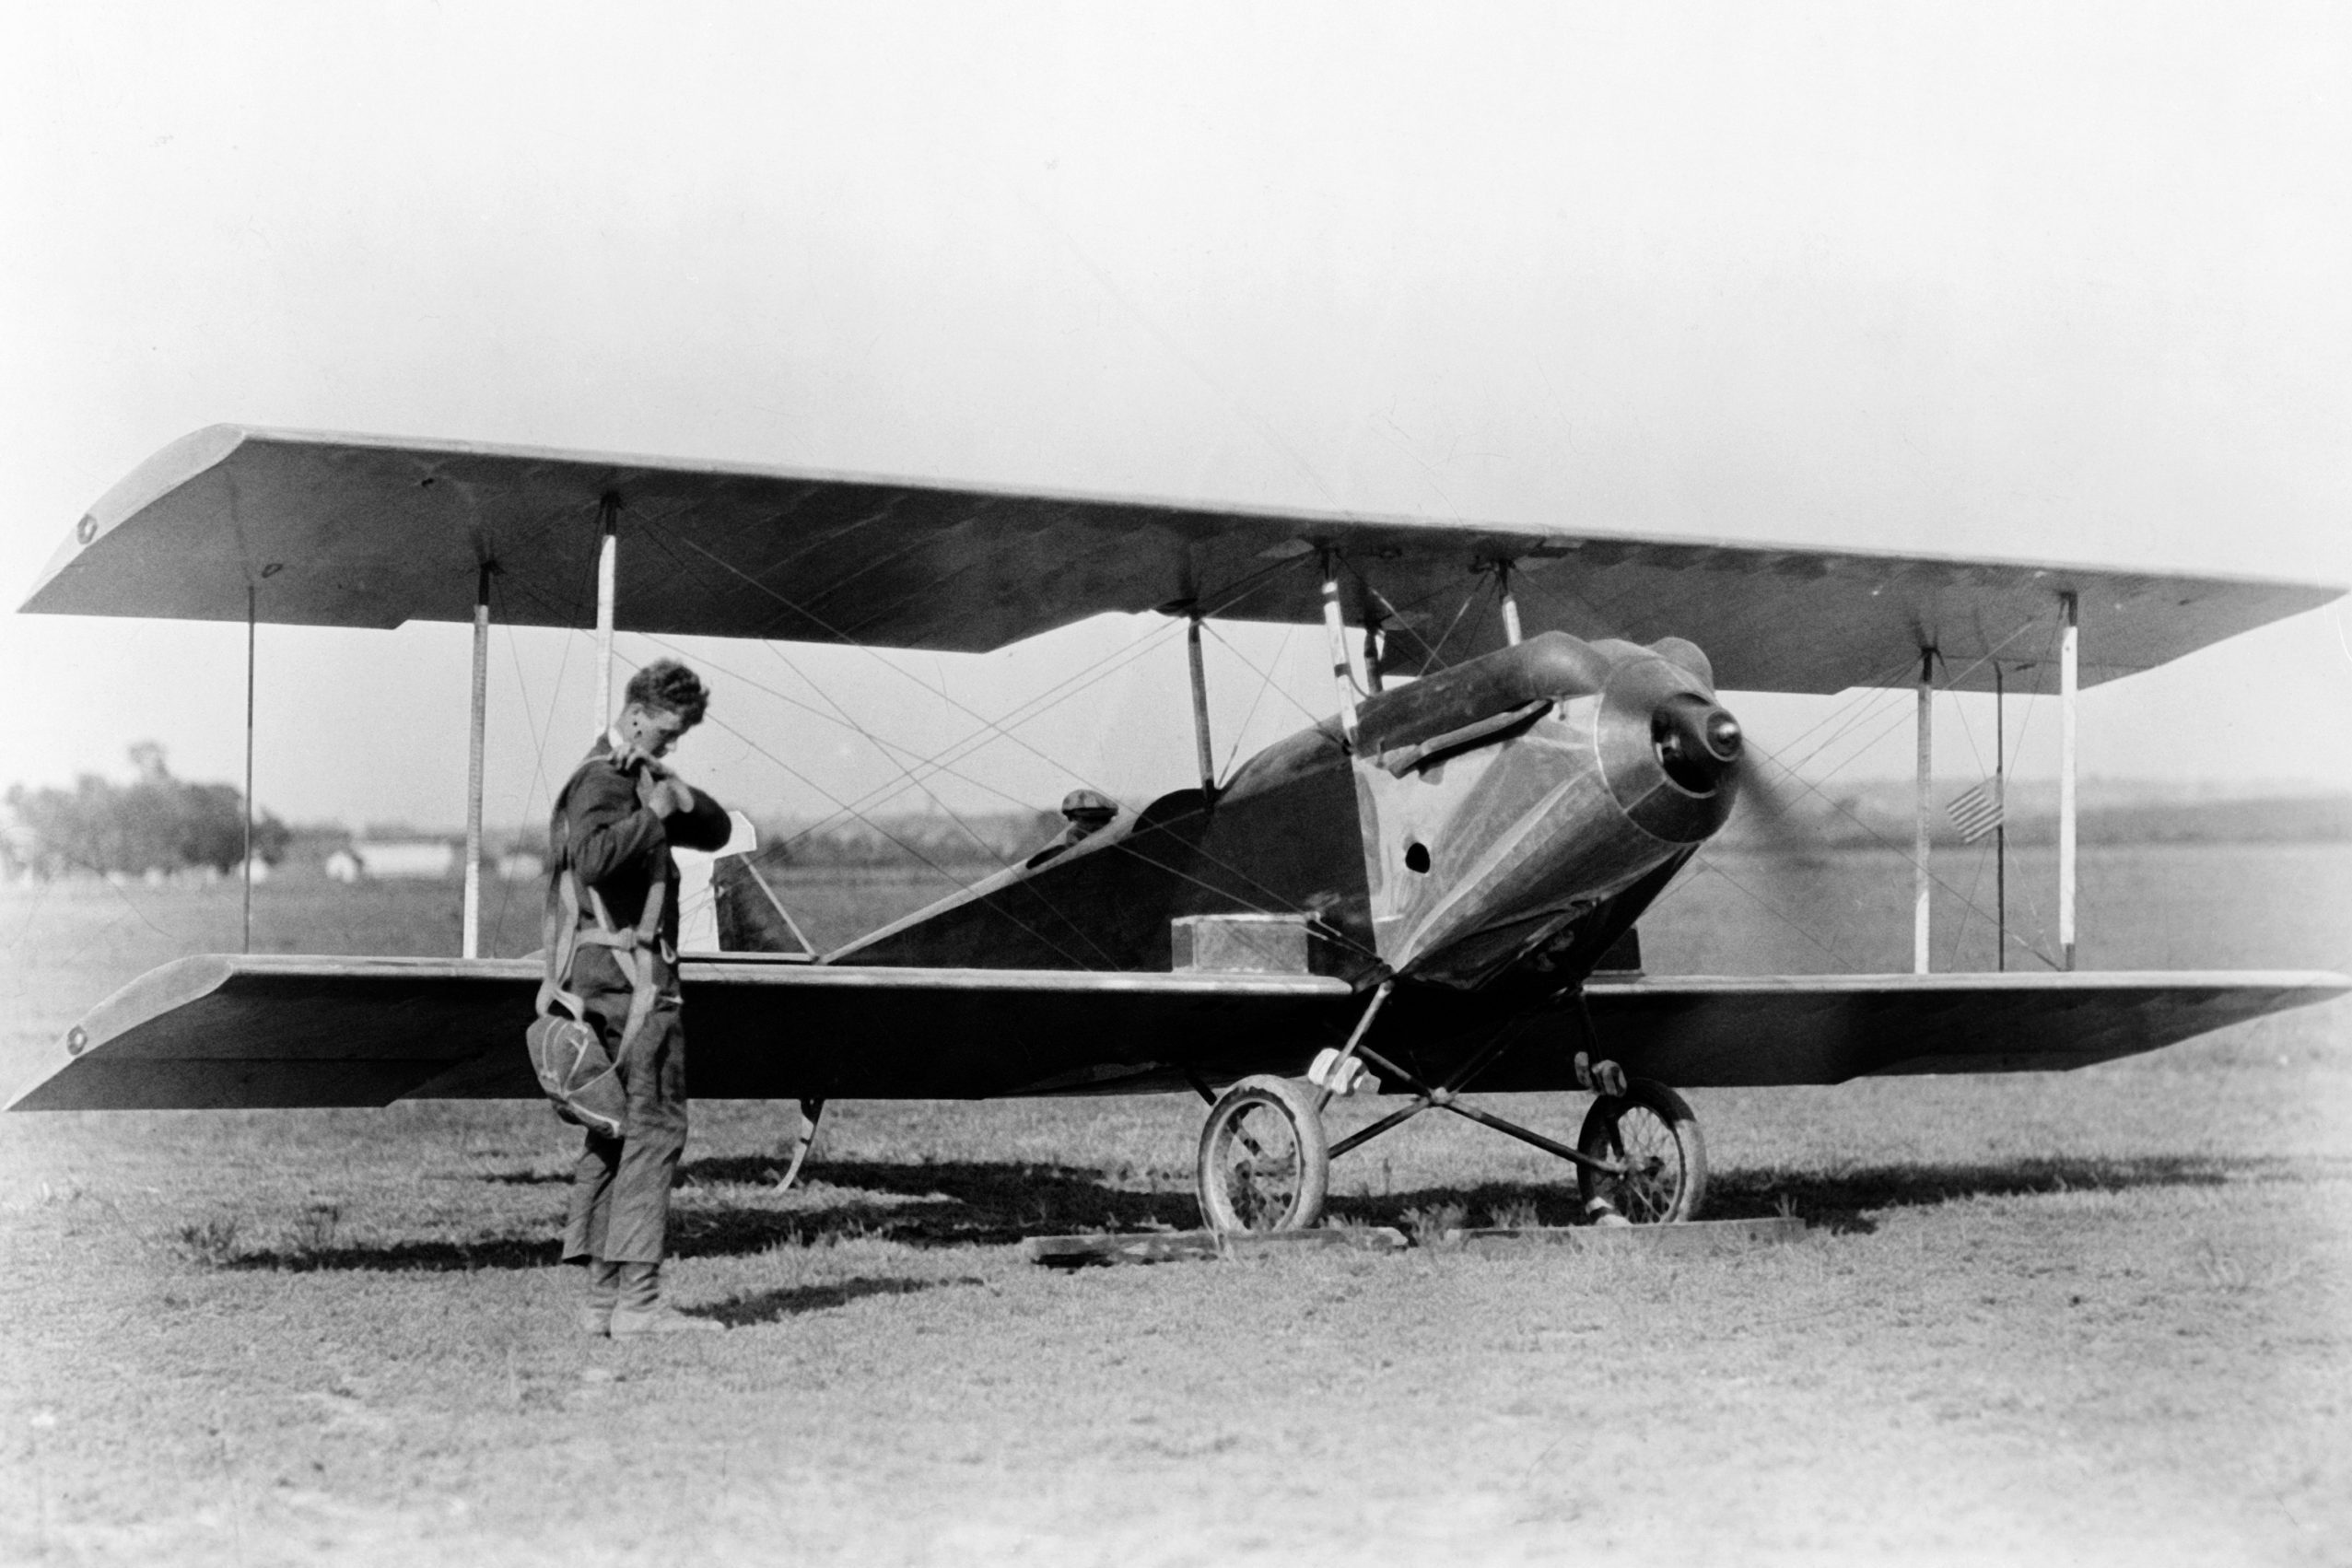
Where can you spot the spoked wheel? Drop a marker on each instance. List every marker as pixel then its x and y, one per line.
pixel 1650 1131
pixel 1264 1163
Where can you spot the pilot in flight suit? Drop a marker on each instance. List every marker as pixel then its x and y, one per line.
pixel 612 827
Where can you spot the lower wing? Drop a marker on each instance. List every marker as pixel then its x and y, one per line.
pixel 221 1032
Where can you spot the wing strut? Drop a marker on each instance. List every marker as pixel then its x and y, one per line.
pixel 476 723
pixel 1199 702
pixel 2066 687
pixel 2000 827
pixel 252 620
pixel 608 518
pixel 1335 632
pixel 1920 880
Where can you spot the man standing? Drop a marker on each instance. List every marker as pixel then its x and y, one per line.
pixel 611 832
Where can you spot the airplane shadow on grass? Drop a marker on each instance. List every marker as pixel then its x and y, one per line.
pixel 994 1203
pixel 988 1203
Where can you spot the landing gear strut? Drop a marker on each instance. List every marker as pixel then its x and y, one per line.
pixel 1265 1162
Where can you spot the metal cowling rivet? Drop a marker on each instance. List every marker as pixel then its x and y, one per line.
pixel 86 530
pixel 77 1040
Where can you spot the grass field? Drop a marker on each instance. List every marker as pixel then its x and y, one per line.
pixel 2100 1318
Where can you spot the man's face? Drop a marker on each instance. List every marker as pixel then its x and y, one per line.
pixel 651 729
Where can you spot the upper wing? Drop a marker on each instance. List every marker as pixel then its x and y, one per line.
pixel 368 531
pixel 278 1031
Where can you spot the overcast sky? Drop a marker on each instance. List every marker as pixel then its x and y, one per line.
pixel 2049 282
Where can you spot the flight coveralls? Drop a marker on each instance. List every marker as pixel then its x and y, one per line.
pixel 620 1198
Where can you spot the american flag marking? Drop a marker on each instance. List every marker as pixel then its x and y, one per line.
pixel 1976 812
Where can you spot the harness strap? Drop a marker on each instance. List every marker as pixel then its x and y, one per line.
pixel 559 937
pixel 633 949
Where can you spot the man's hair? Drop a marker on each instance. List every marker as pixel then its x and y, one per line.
pixel 667 685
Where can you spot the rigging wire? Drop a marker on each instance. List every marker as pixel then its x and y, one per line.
pixel 1968 905
pixel 913 852
pixel 541 731
pixel 1708 863
pixel 949 877
pixel 886 746
pixel 1453 625
pixel 841 716
pixel 1266 683
pixel 1873 834
pixel 2041 926
pixel 1229 594
pixel 1271 682
pixel 1036 704
pixel 1103 669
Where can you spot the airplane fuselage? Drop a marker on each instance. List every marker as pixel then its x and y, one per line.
pixel 1493 816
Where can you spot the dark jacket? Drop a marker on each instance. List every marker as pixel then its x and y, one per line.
pixel 617 845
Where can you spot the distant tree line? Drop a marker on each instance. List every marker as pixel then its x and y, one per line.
pixel 154 823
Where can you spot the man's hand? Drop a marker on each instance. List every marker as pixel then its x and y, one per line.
pixel 631 757
pixel 663 793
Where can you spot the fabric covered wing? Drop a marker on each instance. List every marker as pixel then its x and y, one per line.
pixel 370 531
pixel 220 1032
pixel 216 1032
pixel 1705 1032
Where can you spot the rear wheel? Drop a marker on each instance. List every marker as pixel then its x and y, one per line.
pixel 1650 1131
pixel 1264 1163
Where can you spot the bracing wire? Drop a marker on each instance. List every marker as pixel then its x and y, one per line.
pixel 1266 683
pixel 949 877
pixel 542 731
pixel 1268 676
pixel 1036 704
pixel 1769 908
pixel 991 728
pixel 1968 900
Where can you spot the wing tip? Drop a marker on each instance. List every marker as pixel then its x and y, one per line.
pixel 35 1067
pixel 166 470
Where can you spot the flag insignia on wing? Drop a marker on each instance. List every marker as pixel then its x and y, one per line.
pixel 1976 812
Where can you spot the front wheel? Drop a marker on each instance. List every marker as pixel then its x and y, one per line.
pixel 1650 1131
pixel 1264 1163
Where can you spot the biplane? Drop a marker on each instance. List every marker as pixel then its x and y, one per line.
pixel 1435 891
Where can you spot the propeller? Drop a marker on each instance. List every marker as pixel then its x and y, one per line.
pixel 1769 815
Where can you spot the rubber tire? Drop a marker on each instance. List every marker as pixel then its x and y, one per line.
pixel 1644 1096
pixel 1292 1101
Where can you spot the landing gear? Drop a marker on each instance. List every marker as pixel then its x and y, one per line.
pixel 1649 1134
pixel 1264 1165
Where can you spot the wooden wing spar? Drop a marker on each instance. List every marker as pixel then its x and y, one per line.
pixel 352 531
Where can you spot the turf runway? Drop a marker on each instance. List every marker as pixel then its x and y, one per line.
pixel 2100 1318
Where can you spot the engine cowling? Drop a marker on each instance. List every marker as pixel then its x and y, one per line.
pixel 1501 799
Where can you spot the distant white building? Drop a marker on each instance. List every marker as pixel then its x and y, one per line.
pixel 520 865
pixel 420 860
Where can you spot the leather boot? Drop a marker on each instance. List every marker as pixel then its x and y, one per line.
pixel 642 1311
pixel 596 1303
